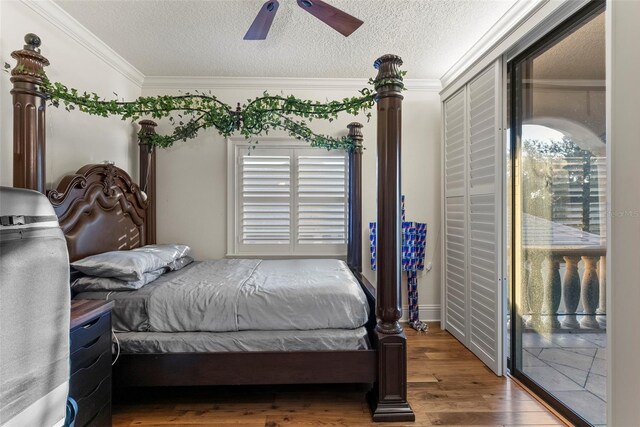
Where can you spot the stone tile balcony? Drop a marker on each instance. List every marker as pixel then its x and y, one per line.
pixel 572 367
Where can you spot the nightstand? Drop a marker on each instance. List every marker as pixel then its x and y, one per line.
pixel 90 375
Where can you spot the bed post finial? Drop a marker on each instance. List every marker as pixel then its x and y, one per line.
pixel 390 393
pixel 389 74
pixel 29 107
pixel 147 127
pixel 148 177
pixel 354 246
pixel 355 132
pixel 33 42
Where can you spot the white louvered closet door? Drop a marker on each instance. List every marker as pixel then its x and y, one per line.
pixel 485 207
pixel 455 216
pixel 473 217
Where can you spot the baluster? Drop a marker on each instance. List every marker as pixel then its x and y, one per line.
pixel 602 306
pixel 535 289
pixel 589 292
pixel 552 292
pixel 524 301
pixel 571 291
pixel 602 276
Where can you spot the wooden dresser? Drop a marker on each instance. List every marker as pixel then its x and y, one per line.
pixel 90 382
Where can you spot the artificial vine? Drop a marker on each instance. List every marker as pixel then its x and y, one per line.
pixel 191 112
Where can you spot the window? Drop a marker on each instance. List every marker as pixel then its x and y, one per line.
pixel 287 198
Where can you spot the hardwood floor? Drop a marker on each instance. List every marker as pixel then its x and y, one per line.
pixel 448 385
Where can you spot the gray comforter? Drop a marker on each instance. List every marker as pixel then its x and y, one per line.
pixel 243 294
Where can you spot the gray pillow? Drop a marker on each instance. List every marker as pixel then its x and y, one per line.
pixel 93 284
pixel 168 252
pixel 129 266
pixel 180 263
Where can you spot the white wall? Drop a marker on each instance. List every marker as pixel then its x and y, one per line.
pixel 623 272
pixel 78 60
pixel 192 176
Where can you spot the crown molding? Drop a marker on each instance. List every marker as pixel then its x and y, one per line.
pixel 506 25
pixel 274 83
pixel 74 29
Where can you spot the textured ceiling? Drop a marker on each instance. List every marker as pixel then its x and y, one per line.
pixel 204 38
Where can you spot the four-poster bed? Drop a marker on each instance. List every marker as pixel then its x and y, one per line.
pixel 102 209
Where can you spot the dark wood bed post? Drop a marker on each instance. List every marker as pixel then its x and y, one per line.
pixel 148 177
pixel 29 108
pixel 354 247
pixel 390 392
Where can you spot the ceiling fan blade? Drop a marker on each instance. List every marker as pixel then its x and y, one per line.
pixel 261 25
pixel 340 21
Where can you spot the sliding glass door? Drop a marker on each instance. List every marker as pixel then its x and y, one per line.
pixel 558 217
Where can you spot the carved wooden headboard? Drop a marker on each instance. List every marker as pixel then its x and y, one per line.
pixel 100 209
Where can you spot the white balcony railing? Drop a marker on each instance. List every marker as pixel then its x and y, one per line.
pixel 563 272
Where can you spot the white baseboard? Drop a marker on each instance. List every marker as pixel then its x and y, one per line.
pixel 428 312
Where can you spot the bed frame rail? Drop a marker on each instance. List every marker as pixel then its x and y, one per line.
pixel 299 367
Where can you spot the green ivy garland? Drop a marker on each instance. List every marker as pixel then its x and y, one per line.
pixel 197 111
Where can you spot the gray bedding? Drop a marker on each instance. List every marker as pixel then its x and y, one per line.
pixel 217 342
pixel 232 295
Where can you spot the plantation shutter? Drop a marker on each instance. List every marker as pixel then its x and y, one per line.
pixel 455 216
pixel 266 199
pixel 321 198
pixel 485 281
pixel 291 201
pixel 473 218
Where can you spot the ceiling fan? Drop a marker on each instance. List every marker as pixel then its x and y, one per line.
pixel 340 21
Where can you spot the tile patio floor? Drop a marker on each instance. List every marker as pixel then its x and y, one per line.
pixel 571 366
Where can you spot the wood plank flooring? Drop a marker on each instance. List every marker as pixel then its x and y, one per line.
pixel 448 385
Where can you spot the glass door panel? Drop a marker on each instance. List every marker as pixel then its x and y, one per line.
pixel 558 217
